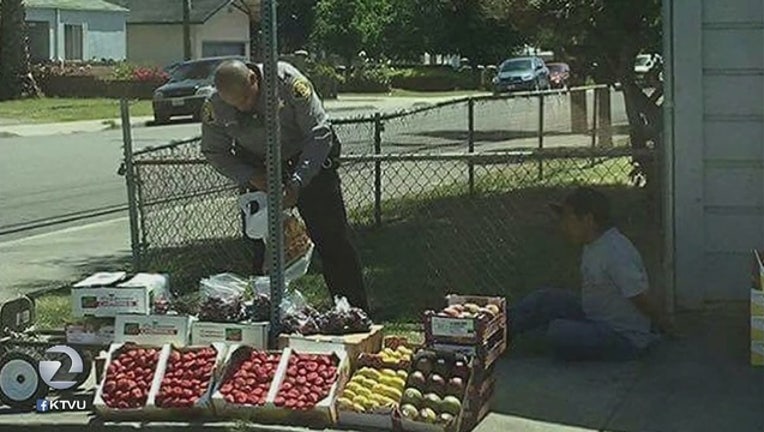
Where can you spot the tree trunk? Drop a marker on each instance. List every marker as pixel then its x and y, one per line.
pixel 645 131
pixel 15 75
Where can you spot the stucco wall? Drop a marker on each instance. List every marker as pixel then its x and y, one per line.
pixel 228 25
pixel 155 44
pixel 224 26
pixel 103 33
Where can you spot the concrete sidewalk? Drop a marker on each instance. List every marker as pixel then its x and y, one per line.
pixel 702 383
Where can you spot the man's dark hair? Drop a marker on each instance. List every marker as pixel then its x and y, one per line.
pixel 586 200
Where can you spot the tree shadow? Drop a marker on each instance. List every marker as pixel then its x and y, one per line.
pixel 497 135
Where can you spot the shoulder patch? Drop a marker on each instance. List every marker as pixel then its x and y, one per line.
pixel 301 88
pixel 208 112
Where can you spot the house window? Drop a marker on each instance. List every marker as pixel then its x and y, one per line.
pixel 73 42
pixel 39 40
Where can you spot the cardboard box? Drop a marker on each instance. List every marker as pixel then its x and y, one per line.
pixel 409 425
pixel 101 280
pixel 757 329
pixel 234 357
pixel 94 331
pixel 757 353
pixel 251 334
pixel 465 331
pixel 382 418
pixel 757 272
pixel 354 343
pixel 91 297
pixel 153 329
pixel 757 303
pixel 203 406
pixel 148 410
pixel 324 413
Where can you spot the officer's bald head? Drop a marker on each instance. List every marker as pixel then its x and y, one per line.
pixel 232 74
pixel 236 84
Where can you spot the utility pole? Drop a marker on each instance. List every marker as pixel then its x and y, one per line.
pixel 187 29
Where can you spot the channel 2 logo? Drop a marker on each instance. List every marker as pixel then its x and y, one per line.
pixel 51 369
pixel 51 372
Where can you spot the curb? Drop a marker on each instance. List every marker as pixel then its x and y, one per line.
pixel 51 422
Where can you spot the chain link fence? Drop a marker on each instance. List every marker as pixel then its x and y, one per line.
pixel 446 198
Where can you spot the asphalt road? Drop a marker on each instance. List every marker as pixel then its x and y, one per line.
pixel 50 176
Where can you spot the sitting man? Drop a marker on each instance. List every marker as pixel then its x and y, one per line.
pixel 614 316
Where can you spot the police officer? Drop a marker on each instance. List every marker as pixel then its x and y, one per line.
pixel 234 143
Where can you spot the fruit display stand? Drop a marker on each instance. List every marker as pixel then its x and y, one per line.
pixel 374 391
pixel 187 380
pixel 130 382
pixel 246 382
pixel 436 389
pixel 354 344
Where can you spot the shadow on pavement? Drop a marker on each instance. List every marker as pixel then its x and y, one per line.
pixel 497 135
pixel 701 382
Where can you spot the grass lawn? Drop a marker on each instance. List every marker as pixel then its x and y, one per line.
pixel 53 110
pixel 499 240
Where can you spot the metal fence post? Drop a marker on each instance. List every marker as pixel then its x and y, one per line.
pixel 541 136
pixel 377 170
pixel 127 150
pixel 273 156
pixel 471 141
pixel 594 125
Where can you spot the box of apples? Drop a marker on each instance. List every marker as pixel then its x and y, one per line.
pixel 130 381
pixel 188 375
pixel 307 386
pixel 246 381
pixel 466 320
pixel 142 381
pixel 435 392
pixel 284 387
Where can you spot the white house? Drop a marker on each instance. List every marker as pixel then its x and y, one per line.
pixel 76 30
pixel 715 143
pixel 155 30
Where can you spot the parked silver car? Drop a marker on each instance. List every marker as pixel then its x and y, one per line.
pixel 521 74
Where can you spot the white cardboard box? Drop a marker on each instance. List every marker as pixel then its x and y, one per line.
pixel 203 406
pixel 143 412
pixel 90 333
pixel 757 303
pixel 251 334
pixel 757 353
pixel 153 329
pixel 757 329
pixel 92 297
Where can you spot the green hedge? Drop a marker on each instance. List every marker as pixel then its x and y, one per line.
pixel 368 80
pixel 434 79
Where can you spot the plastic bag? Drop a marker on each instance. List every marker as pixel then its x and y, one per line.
pixel 345 318
pixel 222 298
pixel 224 286
pixel 297 316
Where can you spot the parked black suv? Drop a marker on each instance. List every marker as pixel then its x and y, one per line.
pixel 189 85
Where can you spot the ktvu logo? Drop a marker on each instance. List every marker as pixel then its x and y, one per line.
pixel 51 372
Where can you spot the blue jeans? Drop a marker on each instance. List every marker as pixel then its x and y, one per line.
pixel 559 316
